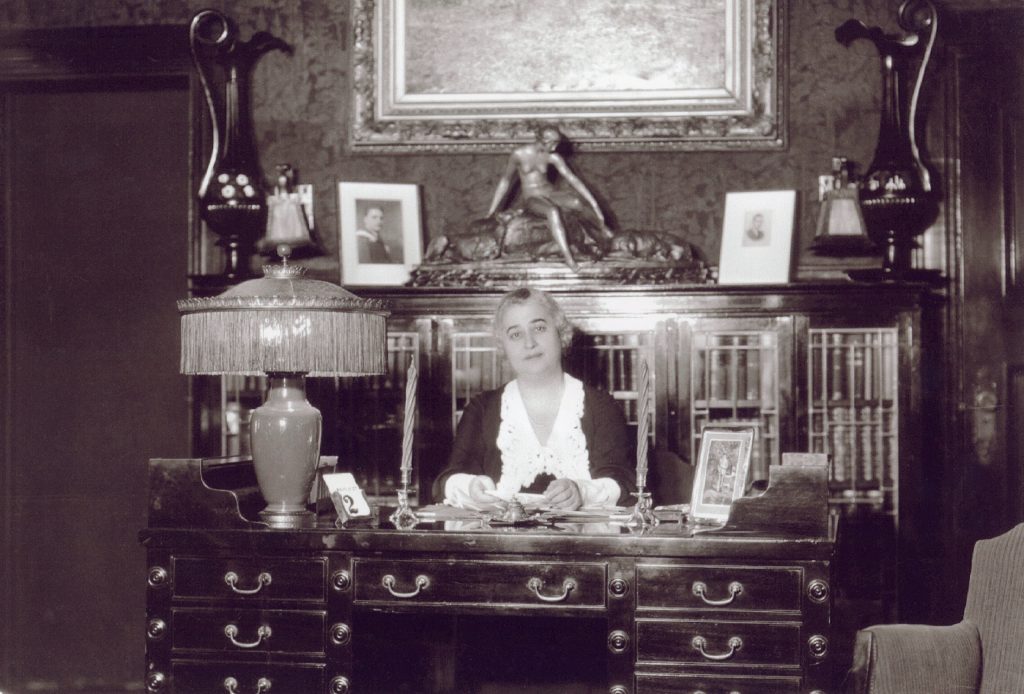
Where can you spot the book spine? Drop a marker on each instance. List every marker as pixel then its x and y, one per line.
pixel 741 356
pixel 700 373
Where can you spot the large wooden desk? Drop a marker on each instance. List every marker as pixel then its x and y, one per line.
pixel 372 609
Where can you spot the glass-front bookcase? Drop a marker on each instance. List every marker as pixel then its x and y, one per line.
pixel 605 354
pixel 735 380
pixel 831 368
pixel 853 411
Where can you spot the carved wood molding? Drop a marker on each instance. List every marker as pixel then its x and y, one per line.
pixel 94 52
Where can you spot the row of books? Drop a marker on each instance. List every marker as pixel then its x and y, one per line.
pixel 734 370
pixel 862 443
pixel 611 362
pixel 853 366
pixel 765 449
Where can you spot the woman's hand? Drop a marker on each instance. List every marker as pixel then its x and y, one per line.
pixel 563 493
pixel 479 487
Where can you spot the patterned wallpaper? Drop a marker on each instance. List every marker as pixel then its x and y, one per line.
pixel 300 106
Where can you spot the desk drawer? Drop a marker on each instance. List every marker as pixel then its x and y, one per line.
pixel 248 630
pixel 713 642
pixel 250 578
pixel 493 583
pixel 189 677
pixel 685 587
pixel 712 684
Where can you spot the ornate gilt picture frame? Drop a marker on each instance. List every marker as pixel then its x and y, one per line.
pixel 625 75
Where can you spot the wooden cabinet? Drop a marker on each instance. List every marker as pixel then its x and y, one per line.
pixel 238 621
pixel 838 368
pixel 372 609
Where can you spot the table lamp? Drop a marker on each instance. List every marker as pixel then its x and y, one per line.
pixel 286 327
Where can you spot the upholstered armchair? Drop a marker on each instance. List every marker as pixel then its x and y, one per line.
pixel 984 653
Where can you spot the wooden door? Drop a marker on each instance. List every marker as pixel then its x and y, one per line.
pixel 983 484
pixel 95 248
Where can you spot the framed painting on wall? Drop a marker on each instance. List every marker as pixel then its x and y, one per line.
pixel 380 239
pixel 453 75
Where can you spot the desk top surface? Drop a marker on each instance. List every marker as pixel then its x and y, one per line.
pixel 212 506
pixel 668 539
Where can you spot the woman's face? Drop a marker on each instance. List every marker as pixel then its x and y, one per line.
pixel 531 340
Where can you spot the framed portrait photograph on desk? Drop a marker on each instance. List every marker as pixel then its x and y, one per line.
pixel 380 239
pixel 721 475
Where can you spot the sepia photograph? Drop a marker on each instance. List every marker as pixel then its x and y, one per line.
pixel 511 346
pixel 757 237
pixel 380 234
pixel 721 474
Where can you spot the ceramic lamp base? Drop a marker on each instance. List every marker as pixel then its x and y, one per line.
pixel 285 433
pixel 301 519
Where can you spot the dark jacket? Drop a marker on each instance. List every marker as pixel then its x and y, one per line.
pixel 608 443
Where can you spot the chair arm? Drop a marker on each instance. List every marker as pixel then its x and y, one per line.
pixel 916 659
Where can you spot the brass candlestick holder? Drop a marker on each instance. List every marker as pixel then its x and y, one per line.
pixel 403 517
pixel 642 516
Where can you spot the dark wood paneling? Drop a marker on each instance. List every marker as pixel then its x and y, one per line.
pixel 983 80
pixel 97 160
pixel 98 239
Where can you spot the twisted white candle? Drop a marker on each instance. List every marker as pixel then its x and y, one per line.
pixel 643 424
pixel 410 422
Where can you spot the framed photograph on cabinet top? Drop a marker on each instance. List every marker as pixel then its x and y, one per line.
pixel 444 75
pixel 757 237
pixel 380 239
pixel 721 475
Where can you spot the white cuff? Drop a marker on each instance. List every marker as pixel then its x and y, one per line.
pixel 603 491
pixel 456 490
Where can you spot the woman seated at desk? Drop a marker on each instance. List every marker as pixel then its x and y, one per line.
pixel 544 431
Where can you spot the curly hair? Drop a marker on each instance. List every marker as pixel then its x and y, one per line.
pixel 521 296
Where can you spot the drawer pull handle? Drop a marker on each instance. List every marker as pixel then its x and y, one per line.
pixel 422 582
pixel 700 643
pixel 231 685
pixel 568 586
pixel 231 631
pixel 731 691
pixel 231 578
pixel 700 589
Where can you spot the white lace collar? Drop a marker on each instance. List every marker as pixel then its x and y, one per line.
pixel 522 455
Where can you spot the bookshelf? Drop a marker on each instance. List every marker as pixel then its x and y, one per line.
pixel 833 368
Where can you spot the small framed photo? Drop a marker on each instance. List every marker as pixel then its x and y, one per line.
pixel 757 237
pixel 721 475
pixel 380 239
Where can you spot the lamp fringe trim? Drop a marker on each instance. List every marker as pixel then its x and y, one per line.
pixel 257 341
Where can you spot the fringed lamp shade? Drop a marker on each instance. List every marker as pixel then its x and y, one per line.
pixel 283 323
pixel 288 328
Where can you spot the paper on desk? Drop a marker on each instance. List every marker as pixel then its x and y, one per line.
pixel 445 512
pixel 525 498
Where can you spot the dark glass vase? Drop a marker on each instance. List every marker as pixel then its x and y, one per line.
pixel 232 196
pixel 896 194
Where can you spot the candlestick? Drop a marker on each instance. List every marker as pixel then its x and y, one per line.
pixel 643 425
pixel 410 422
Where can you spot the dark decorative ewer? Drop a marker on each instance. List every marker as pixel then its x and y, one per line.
pixel 896 194
pixel 232 196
